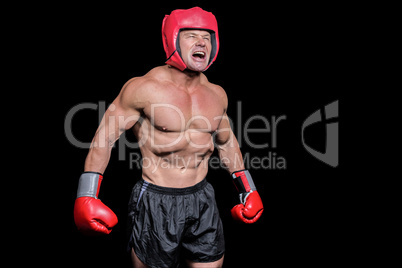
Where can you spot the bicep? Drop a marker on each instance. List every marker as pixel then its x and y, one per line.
pixel 120 116
pixel 224 132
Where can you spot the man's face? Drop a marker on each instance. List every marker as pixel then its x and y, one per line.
pixel 195 46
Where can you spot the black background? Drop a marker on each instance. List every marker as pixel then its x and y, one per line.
pixel 290 60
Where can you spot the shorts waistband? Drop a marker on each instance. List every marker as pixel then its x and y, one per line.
pixel 173 191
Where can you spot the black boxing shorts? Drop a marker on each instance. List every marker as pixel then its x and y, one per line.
pixel 167 224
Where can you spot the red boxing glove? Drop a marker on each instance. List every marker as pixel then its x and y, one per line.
pixel 91 216
pixel 251 208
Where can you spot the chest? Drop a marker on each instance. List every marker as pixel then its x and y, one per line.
pixel 178 110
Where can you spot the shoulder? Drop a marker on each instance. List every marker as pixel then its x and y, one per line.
pixel 133 92
pixel 151 79
pixel 139 90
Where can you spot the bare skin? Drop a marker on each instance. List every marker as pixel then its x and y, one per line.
pixel 175 116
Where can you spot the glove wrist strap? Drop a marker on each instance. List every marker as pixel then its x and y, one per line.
pixel 243 181
pixel 89 184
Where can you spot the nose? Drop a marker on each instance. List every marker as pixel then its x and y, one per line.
pixel 201 42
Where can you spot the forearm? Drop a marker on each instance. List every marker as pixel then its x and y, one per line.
pixel 99 153
pixel 97 159
pixel 231 156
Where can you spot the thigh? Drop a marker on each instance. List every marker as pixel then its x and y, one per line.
pixel 203 240
pixel 157 224
pixel 215 264
pixel 137 263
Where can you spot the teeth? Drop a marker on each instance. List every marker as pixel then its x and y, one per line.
pixel 199 53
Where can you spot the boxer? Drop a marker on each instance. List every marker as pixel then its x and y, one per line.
pixel 178 117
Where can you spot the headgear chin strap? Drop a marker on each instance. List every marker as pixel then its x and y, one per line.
pixel 193 18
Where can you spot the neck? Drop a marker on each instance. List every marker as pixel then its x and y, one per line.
pixel 186 78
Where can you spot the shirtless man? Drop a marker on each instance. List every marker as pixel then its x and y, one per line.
pixel 176 114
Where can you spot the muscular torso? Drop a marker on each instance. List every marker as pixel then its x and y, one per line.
pixel 176 128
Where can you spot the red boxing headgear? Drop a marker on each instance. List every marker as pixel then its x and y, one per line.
pixel 193 18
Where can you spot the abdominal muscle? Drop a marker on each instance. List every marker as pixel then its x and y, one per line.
pixel 175 159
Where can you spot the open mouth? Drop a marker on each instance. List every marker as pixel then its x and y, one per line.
pixel 199 54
